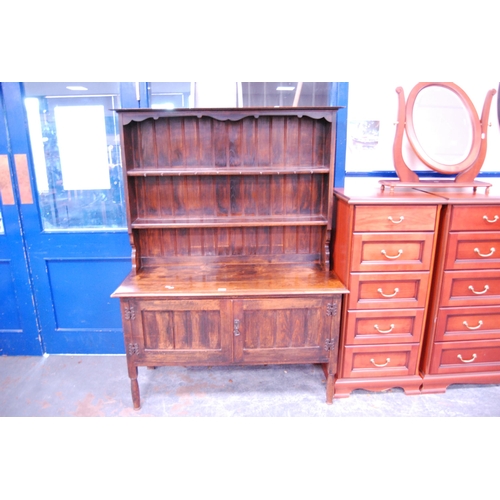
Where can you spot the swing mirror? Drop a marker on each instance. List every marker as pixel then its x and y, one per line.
pixel 443 127
pixel 445 133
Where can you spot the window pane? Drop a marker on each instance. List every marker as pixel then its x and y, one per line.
pixel 2 230
pixel 272 94
pixel 169 95
pixel 210 94
pixel 75 144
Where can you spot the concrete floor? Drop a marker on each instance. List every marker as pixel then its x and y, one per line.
pixel 98 386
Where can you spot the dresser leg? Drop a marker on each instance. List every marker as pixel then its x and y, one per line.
pixel 330 385
pixel 330 389
pixel 134 386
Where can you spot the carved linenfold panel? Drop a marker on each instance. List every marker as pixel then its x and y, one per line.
pixel 171 329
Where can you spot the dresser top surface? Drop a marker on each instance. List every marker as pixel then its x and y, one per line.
pixel 230 280
pixel 374 195
pixel 440 196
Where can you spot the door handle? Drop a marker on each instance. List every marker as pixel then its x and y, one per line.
pixel 236 328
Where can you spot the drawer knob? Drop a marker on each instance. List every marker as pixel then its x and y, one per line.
pixel 383 331
pixel 486 288
pixel 387 361
pixel 480 323
pixel 492 251
pixel 401 219
pixel 396 290
pixel 485 217
pixel 383 252
pixel 474 356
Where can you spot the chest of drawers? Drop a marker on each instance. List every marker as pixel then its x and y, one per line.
pixel 384 252
pixel 463 328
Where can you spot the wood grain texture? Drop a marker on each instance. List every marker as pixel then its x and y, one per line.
pixel 229 212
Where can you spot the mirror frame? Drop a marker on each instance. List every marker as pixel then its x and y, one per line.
pixel 444 168
pixel 465 171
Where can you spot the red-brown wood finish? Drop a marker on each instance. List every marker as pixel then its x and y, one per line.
pixel 384 251
pixel 230 220
pixel 463 329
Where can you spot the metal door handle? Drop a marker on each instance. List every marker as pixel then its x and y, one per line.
pixel 474 356
pixel 387 361
pixel 485 217
pixel 400 252
pixel 401 219
pixel 383 331
pixel 473 327
pixel 396 290
pixel 486 288
pixel 492 251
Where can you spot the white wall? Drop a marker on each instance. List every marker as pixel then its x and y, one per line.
pixel 378 101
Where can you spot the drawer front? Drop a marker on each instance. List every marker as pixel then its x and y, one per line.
pixel 466 357
pixel 384 327
pixel 380 361
pixel 388 291
pixel 475 218
pixel 473 250
pixel 391 252
pixel 394 218
pixel 470 288
pixel 472 323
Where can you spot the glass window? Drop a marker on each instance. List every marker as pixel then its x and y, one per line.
pixel 285 94
pixel 2 230
pixel 75 145
pixel 164 95
pixel 238 94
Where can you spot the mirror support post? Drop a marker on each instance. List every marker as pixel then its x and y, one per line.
pixel 470 174
pixel 405 174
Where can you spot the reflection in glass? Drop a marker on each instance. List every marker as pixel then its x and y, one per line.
pixel 2 230
pixel 76 153
pixel 442 125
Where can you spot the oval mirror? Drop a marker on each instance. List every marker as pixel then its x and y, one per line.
pixel 443 127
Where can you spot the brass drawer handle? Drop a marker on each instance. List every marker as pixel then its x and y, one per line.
pixel 485 217
pixel 400 252
pixel 486 288
pixel 396 290
pixel 492 251
pixel 401 219
pixel 387 361
pixel 480 323
pixel 474 356
pixel 383 331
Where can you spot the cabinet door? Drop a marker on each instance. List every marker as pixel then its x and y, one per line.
pixel 180 331
pixel 285 330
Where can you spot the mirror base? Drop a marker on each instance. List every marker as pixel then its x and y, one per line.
pixel 434 183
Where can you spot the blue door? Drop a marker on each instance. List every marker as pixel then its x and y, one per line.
pixel 19 330
pixel 64 139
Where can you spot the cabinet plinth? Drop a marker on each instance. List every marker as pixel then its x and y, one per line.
pixel 230 221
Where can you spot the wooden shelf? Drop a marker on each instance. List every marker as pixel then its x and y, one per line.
pixel 224 170
pixel 250 221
